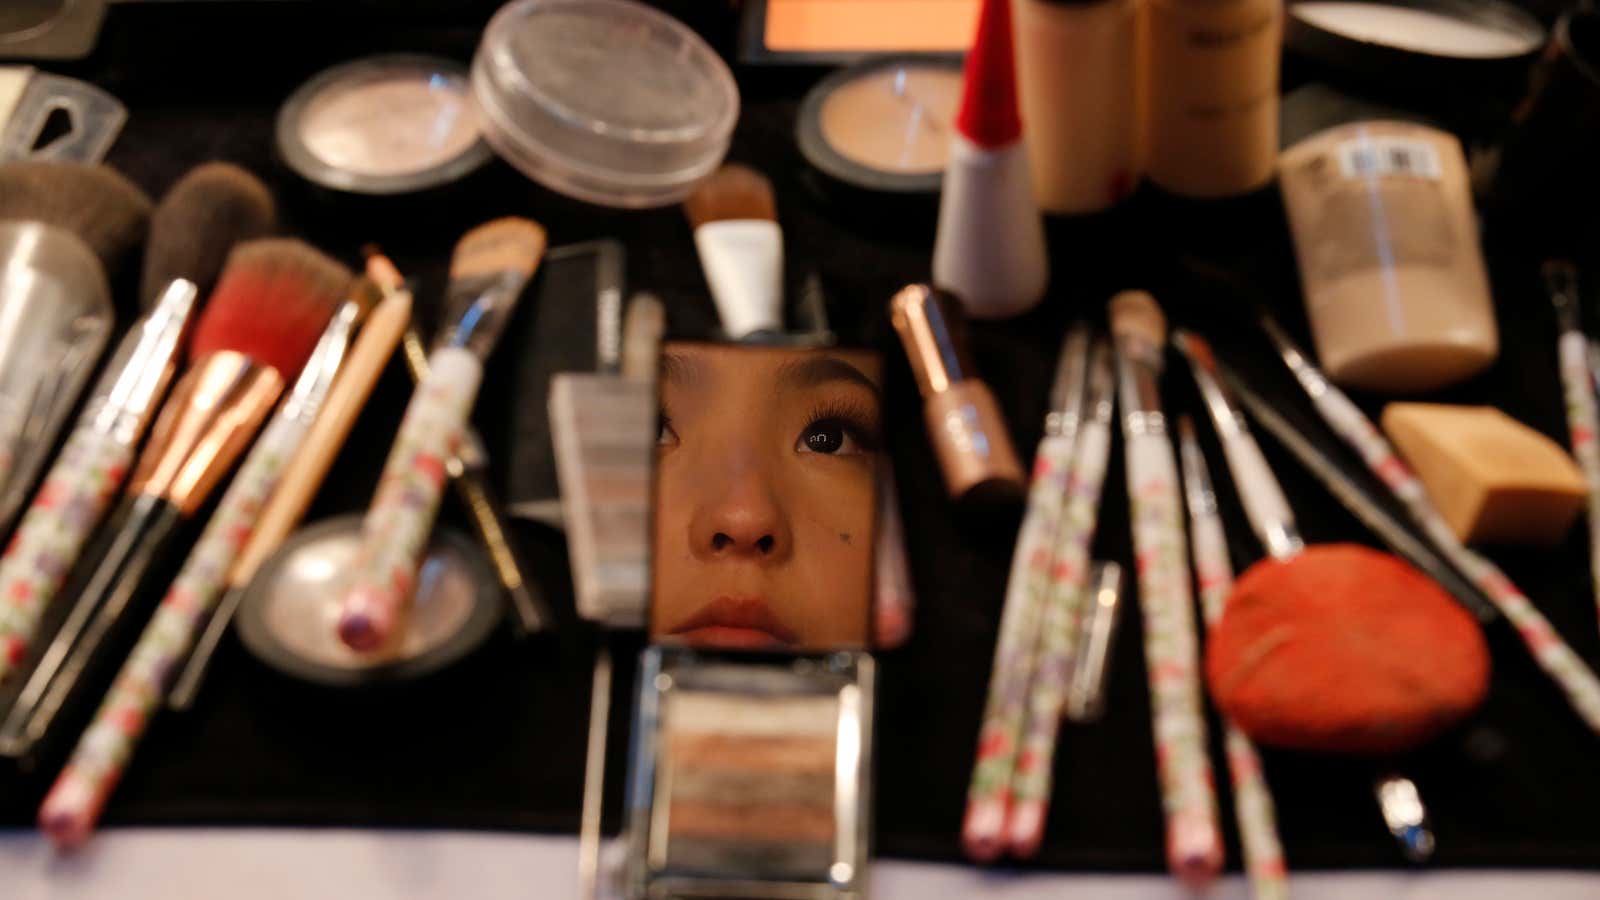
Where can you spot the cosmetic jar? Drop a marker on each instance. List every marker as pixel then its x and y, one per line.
pixel 608 101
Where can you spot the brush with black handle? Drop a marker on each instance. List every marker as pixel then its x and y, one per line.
pixel 195 226
pixel 271 304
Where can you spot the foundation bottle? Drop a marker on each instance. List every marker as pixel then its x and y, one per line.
pixel 965 425
pixel 1211 94
pixel 1078 82
pixel 1394 281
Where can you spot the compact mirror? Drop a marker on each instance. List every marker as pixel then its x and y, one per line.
pixel 749 771
pixel 766 497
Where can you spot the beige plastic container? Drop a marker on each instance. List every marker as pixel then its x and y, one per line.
pixel 1394 280
pixel 1211 94
pixel 1078 84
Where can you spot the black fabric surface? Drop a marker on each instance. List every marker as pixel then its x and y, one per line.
pixel 497 741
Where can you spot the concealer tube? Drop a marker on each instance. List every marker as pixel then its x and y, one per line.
pixel 964 422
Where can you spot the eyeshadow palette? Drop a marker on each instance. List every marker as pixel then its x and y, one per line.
pixel 748 778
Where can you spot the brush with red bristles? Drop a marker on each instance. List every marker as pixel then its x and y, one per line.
pixel 270 306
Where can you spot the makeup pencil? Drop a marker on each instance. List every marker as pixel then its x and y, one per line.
pixel 1194 841
pixel 80 792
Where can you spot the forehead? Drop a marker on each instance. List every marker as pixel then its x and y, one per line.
pixel 690 363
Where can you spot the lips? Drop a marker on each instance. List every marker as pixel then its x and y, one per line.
pixel 735 623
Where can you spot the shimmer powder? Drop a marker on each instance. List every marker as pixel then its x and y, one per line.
pixel 395 124
pixel 383 125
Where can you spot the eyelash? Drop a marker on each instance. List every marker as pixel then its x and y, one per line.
pixel 859 419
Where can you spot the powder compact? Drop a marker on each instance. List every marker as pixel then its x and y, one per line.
pixel 884 125
pixel 392 124
pixel 749 777
pixel 288 615
pixel 812 32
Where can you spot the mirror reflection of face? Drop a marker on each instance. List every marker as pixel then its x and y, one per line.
pixel 766 494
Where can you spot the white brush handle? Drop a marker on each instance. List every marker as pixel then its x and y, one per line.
pixel 743 260
pixel 401 517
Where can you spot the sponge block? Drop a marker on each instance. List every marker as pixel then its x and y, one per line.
pixel 1495 480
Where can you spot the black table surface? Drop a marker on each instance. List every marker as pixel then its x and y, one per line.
pixel 497 741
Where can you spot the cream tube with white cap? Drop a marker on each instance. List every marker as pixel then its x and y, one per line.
pixel 990 249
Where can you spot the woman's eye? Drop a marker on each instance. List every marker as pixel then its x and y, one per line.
pixel 666 437
pixel 828 436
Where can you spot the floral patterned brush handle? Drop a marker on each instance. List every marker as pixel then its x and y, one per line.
pixel 1549 650
pixel 1063 612
pixel 1583 430
pixel 989 797
pixel 1252 797
pixel 70 502
pixel 401 517
pixel 74 803
pixel 1194 840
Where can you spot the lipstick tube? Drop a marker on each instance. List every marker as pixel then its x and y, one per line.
pixel 964 422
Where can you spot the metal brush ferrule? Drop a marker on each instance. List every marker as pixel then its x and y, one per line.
pixel 1310 377
pixel 1140 392
pixel 206 423
pixel 316 378
pixel 128 394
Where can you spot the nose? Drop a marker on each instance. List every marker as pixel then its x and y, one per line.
pixel 742 518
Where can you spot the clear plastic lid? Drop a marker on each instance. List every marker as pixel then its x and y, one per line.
pixel 608 101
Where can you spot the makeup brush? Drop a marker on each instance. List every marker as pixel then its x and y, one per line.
pixel 195 226
pixel 491 266
pixel 93 203
pixel 73 805
pixel 1583 421
pixel 381 333
pixel 1065 601
pixel 989 797
pixel 1194 840
pixel 1553 654
pixel 989 250
pixel 271 303
pixel 65 227
pixel 1252 797
pixel 197 223
pixel 735 222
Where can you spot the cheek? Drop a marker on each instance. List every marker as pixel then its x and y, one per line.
pixel 835 521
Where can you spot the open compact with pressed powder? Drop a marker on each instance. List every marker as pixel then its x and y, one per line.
pixel 749 769
pixel 383 125
pixel 884 125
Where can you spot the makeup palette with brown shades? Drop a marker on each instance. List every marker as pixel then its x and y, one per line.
pixel 749 777
pixel 288 613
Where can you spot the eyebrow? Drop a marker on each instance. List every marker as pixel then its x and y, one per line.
pixel 682 370
pixel 813 371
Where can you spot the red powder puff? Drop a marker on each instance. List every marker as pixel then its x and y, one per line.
pixel 1344 649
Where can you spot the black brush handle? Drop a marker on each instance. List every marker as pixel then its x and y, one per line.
pixel 187 686
pixel 152 526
